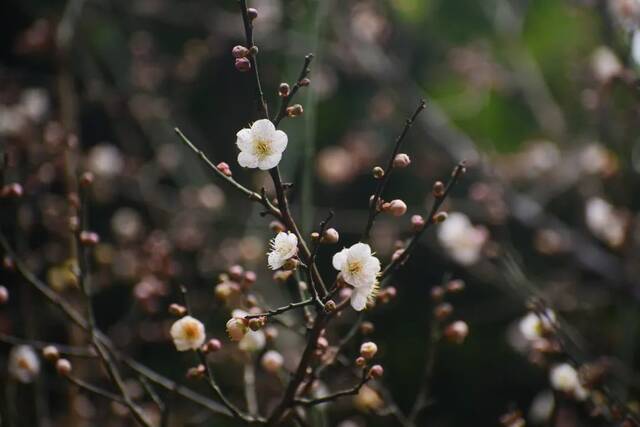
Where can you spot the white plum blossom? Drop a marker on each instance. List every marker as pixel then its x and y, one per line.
pixel 252 341
pixel 605 222
pixel 359 268
pixel 187 333
pixel 533 326
pixel 564 378
pixel 24 364
pixel 283 247
pixel 261 146
pixel 461 239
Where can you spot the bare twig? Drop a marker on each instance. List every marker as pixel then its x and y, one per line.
pixel 280 310
pixel 374 202
pixel 334 396
pixel 286 100
pixel 248 30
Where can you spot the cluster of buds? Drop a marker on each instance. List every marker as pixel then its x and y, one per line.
pixel 329 236
pixel 368 350
pixel 457 331
pixel 386 295
pixel 395 207
pixel 232 286
pixel 12 191
pixel 295 110
pixel 241 54
pixel 52 355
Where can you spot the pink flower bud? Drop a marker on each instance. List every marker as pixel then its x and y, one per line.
pixel 272 361
pixel 4 295
pixel 212 346
pixel 417 223
pixel 376 371
pixel 401 160
pixel 63 366
pixel 236 328
pixel 239 51
pixel 86 179
pixel 331 236
pixel 177 310
pixel 252 13
pixel 12 190
pixel 368 350
pixel 456 332
pixel 224 168
pixel 243 64
pixel 284 89
pixel 396 207
pixel 51 353
pixel 89 238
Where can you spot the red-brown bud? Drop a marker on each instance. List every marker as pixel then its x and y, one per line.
pixel 86 179
pixel 63 367
pixel 177 310
pixel 295 110
pixel 442 311
pixel 455 286
pixel 4 295
pixel 284 90
pixel 376 371
pixel 243 65
pixel 212 346
pixel 438 189
pixel 456 332
pixel 239 52
pixel 12 190
pixel 89 238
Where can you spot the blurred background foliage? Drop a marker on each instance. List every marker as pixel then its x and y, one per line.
pixel 540 97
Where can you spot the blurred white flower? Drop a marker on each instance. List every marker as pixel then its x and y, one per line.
pixel 605 222
pixel 105 160
pixel 34 103
pixel 626 12
pixel 283 247
pixel 564 378
pixel 252 341
pixel 187 333
pixel 126 224
pixel 605 64
pixel 24 364
pixel 261 146
pixel 541 407
pixel 595 159
pixel 359 268
pixel 635 47
pixel 533 326
pixel 461 239
pixel 272 361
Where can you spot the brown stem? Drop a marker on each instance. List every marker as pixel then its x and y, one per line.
pixel 334 396
pixel 286 100
pixel 248 30
pixel 283 309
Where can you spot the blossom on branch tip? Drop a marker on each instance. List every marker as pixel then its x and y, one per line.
pixel 261 146
pixel 359 268
pixel 187 333
pixel 564 378
pixel 283 247
pixel 534 326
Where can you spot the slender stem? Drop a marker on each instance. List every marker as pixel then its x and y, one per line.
pixel 457 172
pixel 286 100
pixel 373 207
pixel 95 390
pixel 250 387
pixel 248 30
pixel 334 396
pixel 283 309
pixel 65 350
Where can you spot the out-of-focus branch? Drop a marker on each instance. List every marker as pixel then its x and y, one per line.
pixel 334 396
pixel 374 208
pixel 83 385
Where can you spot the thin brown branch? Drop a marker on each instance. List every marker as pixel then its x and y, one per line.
pixel 64 350
pixel 286 100
pixel 375 201
pixel 334 396
pixel 283 309
pixel 248 30
pixel 95 389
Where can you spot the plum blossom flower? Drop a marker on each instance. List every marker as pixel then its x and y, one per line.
pixel 261 146
pixel 461 239
pixel 187 333
pixel 605 221
pixel 533 326
pixel 24 364
pixel 283 247
pixel 359 268
pixel 251 341
pixel 564 378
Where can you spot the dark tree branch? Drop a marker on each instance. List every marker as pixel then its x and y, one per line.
pixel 286 100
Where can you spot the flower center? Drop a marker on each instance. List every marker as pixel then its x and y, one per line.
pixel 262 148
pixel 354 267
pixel 191 331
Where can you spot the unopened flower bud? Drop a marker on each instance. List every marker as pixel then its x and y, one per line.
pixel 401 160
pixel 272 361
pixel 235 272
pixel 212 346
pixel 177 310
pixel 4 295
pixel 417 223
pixel 51 353
pixel 440 217
pixel 377 172
pixel 368 350
pixel 438 189
pixel 360 361
pixel 89 238
pixel 86 179
pixel 284 90
pixel 243 65
pixel 366 328
pixel 295 110
pixel 437 293
pixel 12 190
pixel 249 277
pixel 74 223
pixel 330 306
pixel 239 51
pixel 271 333
pixel 224 168
pixel 396 207
pixel 63 367
pixel 276 226
pixel 455 286
pixel 236 328
pixel 376 371
pixel 256 323
pixel 456 332
pixel 305 82
pixel 322 343
pixel 330 236
pixel 315 235
pixel 442 311
pixel 8 263
pixel 196 372
pixel 252 13
pixel 224 290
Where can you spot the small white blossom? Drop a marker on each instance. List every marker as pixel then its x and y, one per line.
pixel 261 146
pixel 359 268
pixel 533 326
pixel 564 378
pixel 283 247
pixel 461 239
pixel 272 361
pixel 24 364
pixel 605 64
pixel 605 222
pixel 187 333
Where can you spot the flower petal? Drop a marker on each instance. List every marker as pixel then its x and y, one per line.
pixel 274 260
pixel 359 300
pixel 247 160
pixel 263 129
pixel 360 251
pixel 279 141
pixel 270 162
pixel 244 139
pixel 340 259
